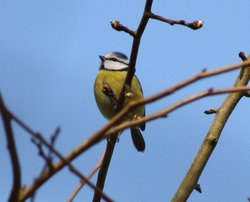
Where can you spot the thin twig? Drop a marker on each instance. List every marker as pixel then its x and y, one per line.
pixel 82 183
pixel 119 27
pixel 41 152
pixel 192 25
pixel 48 158
pixel 16 169
pixel 53 139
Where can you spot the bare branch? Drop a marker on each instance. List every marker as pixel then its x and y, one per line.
pixel 30 191
pixel 193 25
pixel 130 74
pixel 48 158
pixel 41 152
pixel 189 182
pixel 16 169
pixel 119 27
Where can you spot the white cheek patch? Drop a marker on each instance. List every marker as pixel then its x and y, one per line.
pixel 114 65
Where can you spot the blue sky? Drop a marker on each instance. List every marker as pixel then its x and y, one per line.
pixel 48 63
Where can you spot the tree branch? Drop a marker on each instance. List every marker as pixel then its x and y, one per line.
pixel 192 25
pixel 130 74
pixel 16 169
pixel 212 138
pixel 119 27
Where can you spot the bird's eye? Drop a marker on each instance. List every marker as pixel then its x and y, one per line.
pixel 113 59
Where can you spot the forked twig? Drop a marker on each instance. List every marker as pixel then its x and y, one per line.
pixel 23 194
pixel 130 74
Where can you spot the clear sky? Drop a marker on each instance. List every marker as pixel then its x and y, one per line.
pixel 48 63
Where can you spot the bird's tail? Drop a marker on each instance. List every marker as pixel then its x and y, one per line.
pixel 138 139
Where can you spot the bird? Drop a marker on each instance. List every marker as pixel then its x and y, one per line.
pixel 107 89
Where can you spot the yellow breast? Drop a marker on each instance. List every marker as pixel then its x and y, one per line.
pixel 115 80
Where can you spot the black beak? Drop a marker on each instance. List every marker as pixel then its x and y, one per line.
pixel 102 58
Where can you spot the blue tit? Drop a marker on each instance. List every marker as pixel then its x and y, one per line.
pixel 107 88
